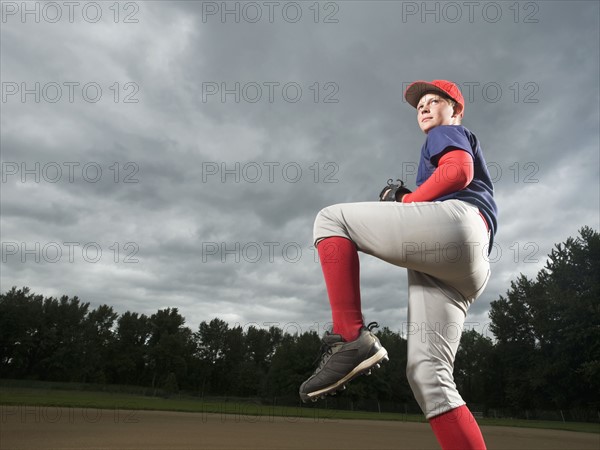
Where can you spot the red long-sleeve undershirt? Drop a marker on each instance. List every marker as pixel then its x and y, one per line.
pixel 454 172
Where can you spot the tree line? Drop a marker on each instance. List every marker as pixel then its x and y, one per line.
pixel 545 353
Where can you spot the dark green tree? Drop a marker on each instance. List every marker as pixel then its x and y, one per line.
pixel 548 339
pixel 130 349
pixel 472 367
pixel 211 339
pixel 61 340
pixel 170 346
pixel 20 323
pixel 294 360
pixel 393 372
pixel 260 348
pixel 99 338
pixel 567 317
pixel 237 375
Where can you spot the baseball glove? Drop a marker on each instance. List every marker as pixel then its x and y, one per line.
pixel 393 192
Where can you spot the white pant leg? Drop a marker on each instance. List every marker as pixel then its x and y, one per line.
pixel 436 315
pixel 444 247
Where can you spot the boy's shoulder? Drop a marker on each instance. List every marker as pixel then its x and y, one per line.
pixel 449 131
pixel 443 136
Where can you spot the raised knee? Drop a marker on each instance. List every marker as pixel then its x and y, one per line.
pixel 321 216
pixel 327 224
pixel 321 219
pixel 325 215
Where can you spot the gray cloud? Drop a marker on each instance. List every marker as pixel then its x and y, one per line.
pixel 207 205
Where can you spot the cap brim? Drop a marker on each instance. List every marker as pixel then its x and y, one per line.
pixel 416 90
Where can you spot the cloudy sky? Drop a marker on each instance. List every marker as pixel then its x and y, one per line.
pixel 176 154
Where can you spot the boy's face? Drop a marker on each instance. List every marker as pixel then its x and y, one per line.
pixel 434 110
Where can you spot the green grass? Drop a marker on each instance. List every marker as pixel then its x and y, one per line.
pixel 31 396
pixel 582 427
pixel 109 400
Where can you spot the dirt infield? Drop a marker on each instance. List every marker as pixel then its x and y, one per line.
pixel 34 427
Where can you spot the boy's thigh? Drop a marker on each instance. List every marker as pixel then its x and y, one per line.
pixel 433 237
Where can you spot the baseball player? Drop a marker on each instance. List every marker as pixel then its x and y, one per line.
pixel 441 233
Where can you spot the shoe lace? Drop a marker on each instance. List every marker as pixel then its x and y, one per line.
pixel 324 353
pixel 372 325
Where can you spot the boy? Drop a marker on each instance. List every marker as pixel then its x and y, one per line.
pixel 441 234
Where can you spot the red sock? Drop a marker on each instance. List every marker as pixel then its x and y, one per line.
pixel 339 261
pixel 457 429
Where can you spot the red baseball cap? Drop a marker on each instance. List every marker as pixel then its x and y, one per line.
pixel 416 90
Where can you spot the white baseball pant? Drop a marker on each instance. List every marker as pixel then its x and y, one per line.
pixel 444 247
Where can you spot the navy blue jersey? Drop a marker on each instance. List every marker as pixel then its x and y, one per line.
pixel 480 192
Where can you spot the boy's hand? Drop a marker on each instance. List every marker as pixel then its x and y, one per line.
pixel 393 192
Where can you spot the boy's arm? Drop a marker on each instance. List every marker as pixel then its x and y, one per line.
pixel 454 172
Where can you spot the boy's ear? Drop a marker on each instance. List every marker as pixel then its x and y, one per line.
pixel 458 110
